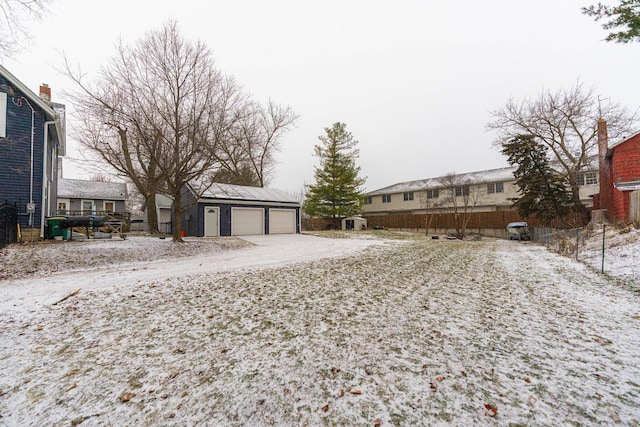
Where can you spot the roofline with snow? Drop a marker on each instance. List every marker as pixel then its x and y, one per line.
pixel 50 113
pixel 623 141
pixel 428 181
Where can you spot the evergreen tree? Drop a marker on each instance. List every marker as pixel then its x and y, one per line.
pixel 625 16
pixel 543 192
pixel 337 189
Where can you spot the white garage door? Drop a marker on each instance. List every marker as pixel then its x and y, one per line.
pixel 282 221
pixel 247 221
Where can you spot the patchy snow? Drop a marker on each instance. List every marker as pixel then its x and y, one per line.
pixel 304 330
pixel 621 253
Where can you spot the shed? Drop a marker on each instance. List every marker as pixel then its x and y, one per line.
pixel 354 223
pixel 236 210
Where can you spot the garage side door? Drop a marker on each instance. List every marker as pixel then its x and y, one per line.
pixel 282 221
pixel 247 221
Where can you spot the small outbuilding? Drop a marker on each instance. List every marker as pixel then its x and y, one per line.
pixel 236 210
pixel 354 223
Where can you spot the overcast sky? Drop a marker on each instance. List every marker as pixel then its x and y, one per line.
pixel 415 81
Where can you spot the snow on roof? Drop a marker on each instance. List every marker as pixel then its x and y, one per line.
pixel 622 141
pixel 83 189
pixel 163 201
pixel 491 175
pixel 240 192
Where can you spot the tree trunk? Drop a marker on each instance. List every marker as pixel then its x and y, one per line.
pixel 152 214
pixel 176 221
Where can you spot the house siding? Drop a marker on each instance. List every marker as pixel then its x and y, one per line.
pixel 625 167
pixel 486 202
pixel 15 154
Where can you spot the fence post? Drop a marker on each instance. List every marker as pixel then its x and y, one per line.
pixel 604 226
pixel 577 241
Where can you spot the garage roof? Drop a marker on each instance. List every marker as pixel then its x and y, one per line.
pixel 240 192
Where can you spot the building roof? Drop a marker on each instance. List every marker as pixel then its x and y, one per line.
pixel 491 175
pixel 240 192
pixel 82 189
pixel 53 112
pixel 624 140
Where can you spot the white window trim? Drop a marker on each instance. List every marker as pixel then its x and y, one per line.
pixel 3 115
pixel 66 201
pixel 104 205
pixel 93 205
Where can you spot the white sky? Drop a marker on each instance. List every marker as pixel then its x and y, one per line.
pixel 414 81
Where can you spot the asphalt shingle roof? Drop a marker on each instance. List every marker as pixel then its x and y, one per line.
pixel 83 189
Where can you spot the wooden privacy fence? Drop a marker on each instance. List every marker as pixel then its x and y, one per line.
pixel 447 221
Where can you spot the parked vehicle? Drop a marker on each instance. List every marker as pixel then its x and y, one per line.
pixel 518 231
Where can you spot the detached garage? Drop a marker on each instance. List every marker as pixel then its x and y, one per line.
pixel 235 210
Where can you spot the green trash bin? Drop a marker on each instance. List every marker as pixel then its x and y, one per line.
pixel 56 231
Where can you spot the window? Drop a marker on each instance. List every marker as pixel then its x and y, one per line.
pixel 495 187
pixel 63 206
pixel 367 200
pixel 87 207
pixel 3 115
pixel 386 198
pixel 462 191
pixel 109 206
pixel 587 178
pixel 433 194
pixel 408 196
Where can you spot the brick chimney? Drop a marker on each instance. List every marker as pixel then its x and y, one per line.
pixel 45 93
pixel 606 186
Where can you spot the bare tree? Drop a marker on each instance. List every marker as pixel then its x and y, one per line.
pixel 248 155
pixel 462 194
pixel 566 122
pixel 13 15
pixel 431 202
pixel 157 114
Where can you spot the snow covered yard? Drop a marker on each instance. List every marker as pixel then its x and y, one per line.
pixel 301 330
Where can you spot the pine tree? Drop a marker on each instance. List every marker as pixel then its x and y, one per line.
pixel 543 192
pixel 337 189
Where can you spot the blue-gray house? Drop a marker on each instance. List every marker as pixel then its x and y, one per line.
pixel 31 139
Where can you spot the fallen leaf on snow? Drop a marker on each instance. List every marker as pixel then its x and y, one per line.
pixel 127 396
pixel 325 408
pixel 377 422
pixel 491 410
pixel 71 387
pixel 440 378
pixel 355 391
pixel 527 380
